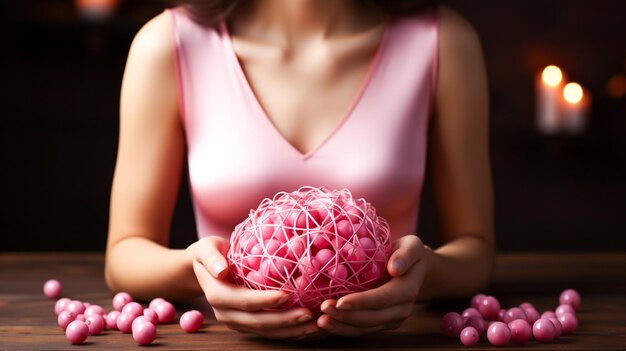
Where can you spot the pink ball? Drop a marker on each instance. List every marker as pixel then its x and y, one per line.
pixel 452 324
pixel 543 330
pixel 124 322
pixel 94 309
pixel 570 297
pixel 469 336
pixel 477 300
pixel 95 323
pixel 140 319
pixel 61 305
pixel 531 315
pixel 77 332
pixel 76 307
pixel 526 305
pixel 513 314
pixel 52 288
pixel 151 315
pixel 327 239
pixel 558 329
pixel 564 309
pixel 489 307
pixel 498 334
pixel 165 311
pixel 191 321
pixel 548 314
pixel 65 318
pixel 133 308
pixel 156 301
pixel 81 317
pixel 477 323
pixel 111 319
pixel 520 331
pixel 144 333
pixel 471 311
pixel 120 300
pixel 568 322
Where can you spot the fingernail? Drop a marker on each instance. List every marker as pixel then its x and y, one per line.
pixel 329 325
pixel 283 300
pixel 344 306
pixel 219 267
pixel 398 265
pixel 304 318
pixel 330 311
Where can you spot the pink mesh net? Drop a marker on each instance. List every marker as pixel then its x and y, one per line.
pixel 313 243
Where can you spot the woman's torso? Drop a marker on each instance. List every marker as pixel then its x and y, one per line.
pixel 238 154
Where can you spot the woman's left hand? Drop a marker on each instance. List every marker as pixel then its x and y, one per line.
pixel 387 306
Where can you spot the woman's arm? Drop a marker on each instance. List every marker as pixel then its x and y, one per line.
pixel 147 174
pixel 459 166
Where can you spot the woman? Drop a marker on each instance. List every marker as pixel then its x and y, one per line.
pixel 269 95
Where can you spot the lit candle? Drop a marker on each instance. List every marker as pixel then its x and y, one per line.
pixel 575 108
pixel 96 10
pixel 548 89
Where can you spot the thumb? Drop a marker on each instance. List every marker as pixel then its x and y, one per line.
pixel 211 252
pixel 409 249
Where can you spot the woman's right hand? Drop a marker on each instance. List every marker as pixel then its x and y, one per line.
pixel 241 308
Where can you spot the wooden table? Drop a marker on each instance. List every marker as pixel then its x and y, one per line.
pixel 28 322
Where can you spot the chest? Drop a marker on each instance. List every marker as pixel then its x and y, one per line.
pixel 307 94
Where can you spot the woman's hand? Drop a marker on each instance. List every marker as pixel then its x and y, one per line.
pixel 241 308
pixel 387 306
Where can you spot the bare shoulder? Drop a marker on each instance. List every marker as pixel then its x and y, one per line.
pixel 154 40
pixel 456 34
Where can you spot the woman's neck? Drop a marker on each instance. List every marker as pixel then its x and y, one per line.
pixel 294 23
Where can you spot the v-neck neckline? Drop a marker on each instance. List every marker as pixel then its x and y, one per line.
pixel 252 96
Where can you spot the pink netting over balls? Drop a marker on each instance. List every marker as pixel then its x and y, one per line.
pixel 313 243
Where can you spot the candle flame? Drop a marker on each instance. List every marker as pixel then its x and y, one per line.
pixel 573 93
pixel 552 75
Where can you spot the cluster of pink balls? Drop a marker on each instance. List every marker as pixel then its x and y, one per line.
pixel 485 318
pixel 313 243
pixel 81 319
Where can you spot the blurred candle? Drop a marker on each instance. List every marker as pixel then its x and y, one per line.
pixel 575 108
pixel 96 10
pixel 549 85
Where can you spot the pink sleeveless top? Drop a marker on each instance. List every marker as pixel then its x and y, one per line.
pixel 236 156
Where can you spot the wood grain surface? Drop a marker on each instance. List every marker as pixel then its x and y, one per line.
pixel 28 322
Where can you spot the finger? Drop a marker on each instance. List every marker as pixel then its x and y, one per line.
pixel 265 321
pixel 396 291
pixel 297 332
pixel 370 318
pixel 224 294
pixel 409 250
pixel 335 327
pixel 211 252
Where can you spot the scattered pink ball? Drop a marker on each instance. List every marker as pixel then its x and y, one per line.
pixel 156 301
pixel 111 320
pixel 65 318
pixel 569 322
pixel 144 333
pixel 191 321
pixel 548 314
pixel 558 329
pixel 94 309
pixel 133 308
pixel 498 334
pixel 95 323
pixel 564 309
pixel 532 315
pixel 124 322
pixel 570 297
pixel 470 311
pixel 52 288
pixel 513 314
pixel 452 324
pixel 526 305
pixel 81 317
pixel 61 305
pixel 165 311
pixel 314 244
pixel 76 307
pixel 77 332
pixel 477 300
pixel 489 307
pixel 140 319
pixel 543 330
pixel 151 315
pixel 520 331
pixel 477 323
pixel 469 336
pixel 120 300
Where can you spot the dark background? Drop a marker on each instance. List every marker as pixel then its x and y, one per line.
pixel 60 88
